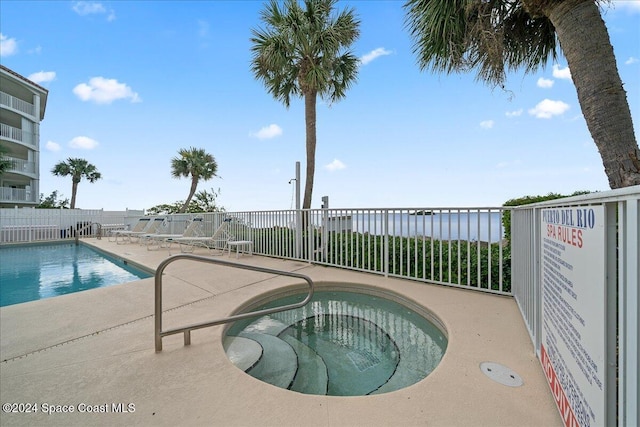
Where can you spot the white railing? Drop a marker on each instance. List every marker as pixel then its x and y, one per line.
pixel 15 134
pixel 462 247
pixel 29 224
pixel 18 195
pixel 21 166
pixel 17 104
pixel 534 274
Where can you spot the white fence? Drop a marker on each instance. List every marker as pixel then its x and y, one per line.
pixel 30 224
pixel 461 247
pixel 449 246
pixel 550 298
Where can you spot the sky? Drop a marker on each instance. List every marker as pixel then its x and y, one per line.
pixel 130 83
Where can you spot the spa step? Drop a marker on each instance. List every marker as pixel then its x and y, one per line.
pixel 267 325
pixel 242 352
pixel 278 364
pixel 312 377
pixel 414 364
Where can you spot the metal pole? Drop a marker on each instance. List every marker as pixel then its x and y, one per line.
pixel 298 214
pixel 297 185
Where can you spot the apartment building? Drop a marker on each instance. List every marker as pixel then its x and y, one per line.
pixel 22 107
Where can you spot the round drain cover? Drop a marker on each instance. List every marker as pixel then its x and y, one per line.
pixel 501 374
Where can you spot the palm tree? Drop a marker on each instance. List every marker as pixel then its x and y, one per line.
pixel 194 162
pixel 77 168
pixel 494 36
pixel 303 52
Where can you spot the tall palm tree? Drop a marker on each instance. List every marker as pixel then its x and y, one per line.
pixel 304 52
pixel 494 36
pixel 196 163
pixel 77 168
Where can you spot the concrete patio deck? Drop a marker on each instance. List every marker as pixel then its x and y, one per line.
pixel 95 350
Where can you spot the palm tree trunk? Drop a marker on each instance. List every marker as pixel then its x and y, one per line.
pixel 310 122
pixel 74 190
pixel 192 191
pixel 587 47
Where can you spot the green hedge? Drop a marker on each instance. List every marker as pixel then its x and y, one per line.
pixel 423 258
pixel 435 260
pixel 527 200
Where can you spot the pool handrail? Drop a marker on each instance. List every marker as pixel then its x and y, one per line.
pixel 159 333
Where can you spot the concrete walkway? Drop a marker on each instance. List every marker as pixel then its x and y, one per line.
pixel 93 353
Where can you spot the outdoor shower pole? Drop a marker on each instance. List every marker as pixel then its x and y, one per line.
pixel 297 185
pixel 298 214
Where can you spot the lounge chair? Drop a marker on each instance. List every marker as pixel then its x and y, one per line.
pixel 217 241
pixel 155 225
pixel 124 235
pixel 160 239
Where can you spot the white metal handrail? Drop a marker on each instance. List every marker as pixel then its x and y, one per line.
pixel 159 333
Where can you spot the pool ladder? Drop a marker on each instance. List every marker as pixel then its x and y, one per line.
pixel 88 226
pixel 159 333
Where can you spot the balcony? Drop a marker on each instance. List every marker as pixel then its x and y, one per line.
pixel 17 104
pixel 14 134
pixel 21 166
pixel 16 195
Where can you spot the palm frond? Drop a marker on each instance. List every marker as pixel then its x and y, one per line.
pixel 295 50
pixel 490 36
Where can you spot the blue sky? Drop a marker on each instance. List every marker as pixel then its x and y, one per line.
pixel 130 83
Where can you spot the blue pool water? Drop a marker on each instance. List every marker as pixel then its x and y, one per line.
pixel 340 344
pixel 34 272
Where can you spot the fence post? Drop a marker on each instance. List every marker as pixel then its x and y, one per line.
pixel 385 251
pixel 629 322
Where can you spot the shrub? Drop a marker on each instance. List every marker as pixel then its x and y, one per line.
pixel 527 200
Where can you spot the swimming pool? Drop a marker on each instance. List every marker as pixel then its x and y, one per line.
pixel 340 344
pixel 34 272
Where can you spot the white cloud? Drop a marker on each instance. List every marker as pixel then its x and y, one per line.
pixel 52 146
pixel 561 73
pixel 515 113
pixel 487 124
pixel 88 8
pixel 547 108
pixel 631 60
pixel 268 132
pixel 83 142
pixel 545 83
pixel 104 91
pixel 42 76
pixel 376 53
pixel 630 5
pixel 335 165
pixel 8 46
pixel 83 8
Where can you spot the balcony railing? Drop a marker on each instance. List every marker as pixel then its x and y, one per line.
pixel 18 195
pixel 15 134
pixel 17 104
pixel 21 166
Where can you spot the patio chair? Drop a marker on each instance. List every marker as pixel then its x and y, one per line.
pixel 124 235
pixel 217 241
pixel 154 227
pixel 160 239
